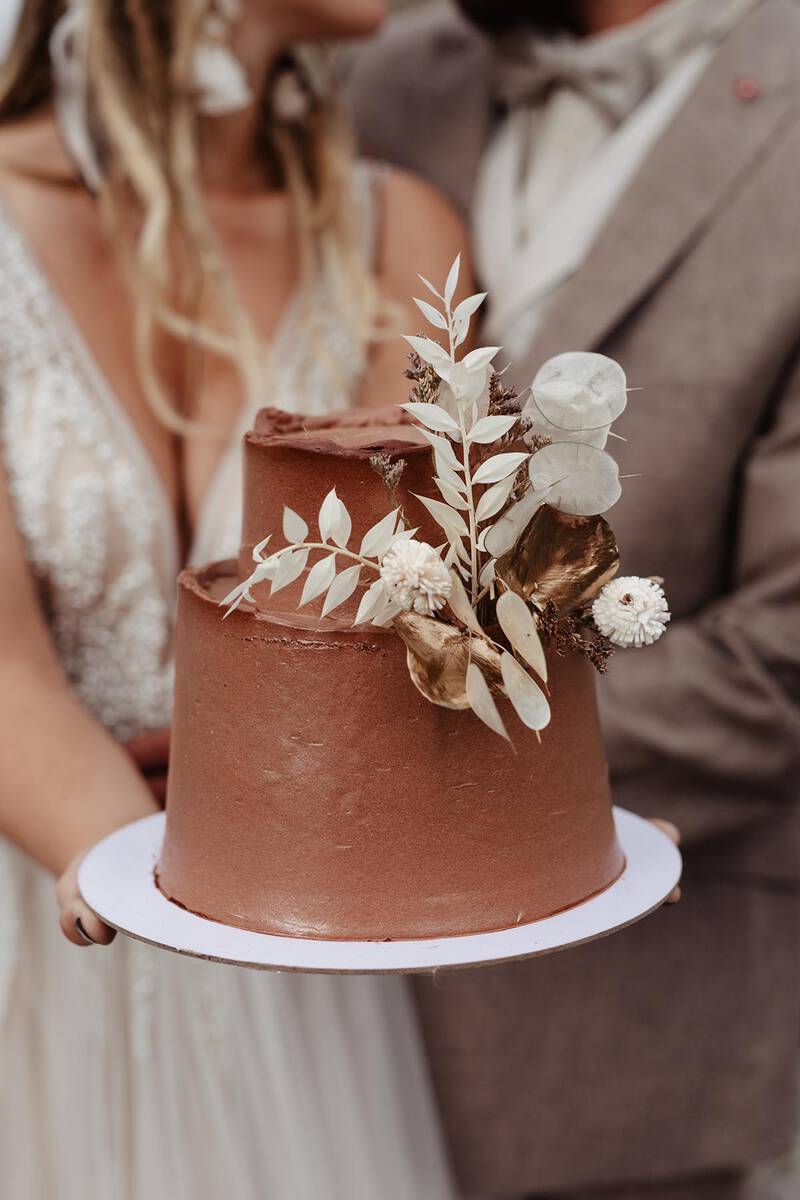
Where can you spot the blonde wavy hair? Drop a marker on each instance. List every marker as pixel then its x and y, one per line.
pixel 144 119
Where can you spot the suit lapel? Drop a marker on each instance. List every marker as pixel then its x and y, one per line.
pixel 684 181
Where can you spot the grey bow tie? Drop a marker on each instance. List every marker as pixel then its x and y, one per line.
pixel 615 71
pixel 615 78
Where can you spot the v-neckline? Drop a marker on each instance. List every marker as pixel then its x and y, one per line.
pixel 96 378
pixel 106 394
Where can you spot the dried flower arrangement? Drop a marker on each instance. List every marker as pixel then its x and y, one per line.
pixel 527 558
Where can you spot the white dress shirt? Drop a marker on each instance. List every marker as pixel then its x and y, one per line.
pixel 582 116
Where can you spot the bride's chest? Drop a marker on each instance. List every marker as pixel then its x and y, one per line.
pixel 84 274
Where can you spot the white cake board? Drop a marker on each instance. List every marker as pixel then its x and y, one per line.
pixel 116 880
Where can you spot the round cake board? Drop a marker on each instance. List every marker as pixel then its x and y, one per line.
pixel 117 881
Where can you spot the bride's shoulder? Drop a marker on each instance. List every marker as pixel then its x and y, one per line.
pixel 420 231
pixel 31 146
pixel 35 173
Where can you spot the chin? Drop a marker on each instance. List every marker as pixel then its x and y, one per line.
pixel 326 20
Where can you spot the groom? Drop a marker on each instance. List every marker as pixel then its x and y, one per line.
pixel 631 171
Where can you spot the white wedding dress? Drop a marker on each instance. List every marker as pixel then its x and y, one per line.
pixel 130 1073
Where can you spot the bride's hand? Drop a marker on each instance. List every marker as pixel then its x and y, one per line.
pixel 150 752
pixel 674 834
pixel 78 923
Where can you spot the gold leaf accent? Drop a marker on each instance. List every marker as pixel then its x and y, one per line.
pixel 559 557
pixel 438 655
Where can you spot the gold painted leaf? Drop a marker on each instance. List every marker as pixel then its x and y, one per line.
pixel 438 655
pixel 560 557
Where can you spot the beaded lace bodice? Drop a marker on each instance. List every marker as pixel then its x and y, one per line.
pixel 96 523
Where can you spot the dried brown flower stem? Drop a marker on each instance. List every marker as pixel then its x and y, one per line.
pixel 390 472
pixel 425 380
pixel 564 633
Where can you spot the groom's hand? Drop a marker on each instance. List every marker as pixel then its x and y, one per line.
pixel 150 752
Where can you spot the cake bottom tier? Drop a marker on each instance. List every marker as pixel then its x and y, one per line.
pixel 314 792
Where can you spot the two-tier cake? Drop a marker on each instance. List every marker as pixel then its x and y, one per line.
pixel 324 780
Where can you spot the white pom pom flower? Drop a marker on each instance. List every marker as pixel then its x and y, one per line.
pixel 415 576
pixel 631 611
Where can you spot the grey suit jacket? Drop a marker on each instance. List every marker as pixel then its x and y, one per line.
pixel 669 1048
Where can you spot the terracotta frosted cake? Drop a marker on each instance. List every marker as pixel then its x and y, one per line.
pixel 325 781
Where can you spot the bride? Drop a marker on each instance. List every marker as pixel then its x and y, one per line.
pixel 184 237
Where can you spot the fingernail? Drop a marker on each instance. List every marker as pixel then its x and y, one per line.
pixel 82 933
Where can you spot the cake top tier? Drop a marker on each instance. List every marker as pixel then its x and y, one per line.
pixel 355 434
pixel 293 461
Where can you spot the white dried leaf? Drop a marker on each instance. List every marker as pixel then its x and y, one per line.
pixel 294 527
pixel 432 416
pixel 467 386
pixel 460 331
pixel 579 479
pixel 517 623
pixel 430 352
pixel 405 535
pixel 450 520
pixel 373 599
pixel 461 551
pixel 467 307
pixel 235 594
pixel 430 287
pixel 459 602
pixel 580 391
pixel 493 500
pixel 487 574
pixel 463 313
pixel 290 566
pixel 341 589
pixel 451 282
pixel 489 429
pixel 498 467
pixel 443 451
pixel 258 550
pixel 481 701
pixel 479 360
pixel 377 540
pixel 320 578
pixel 344 527
pixel 265 569
pixel 450 494
pixel 234 599
pixel 329 515
pixel 501 536
pixel 528 699
pixel 386 613
pixel 451 477
pixel 431 314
